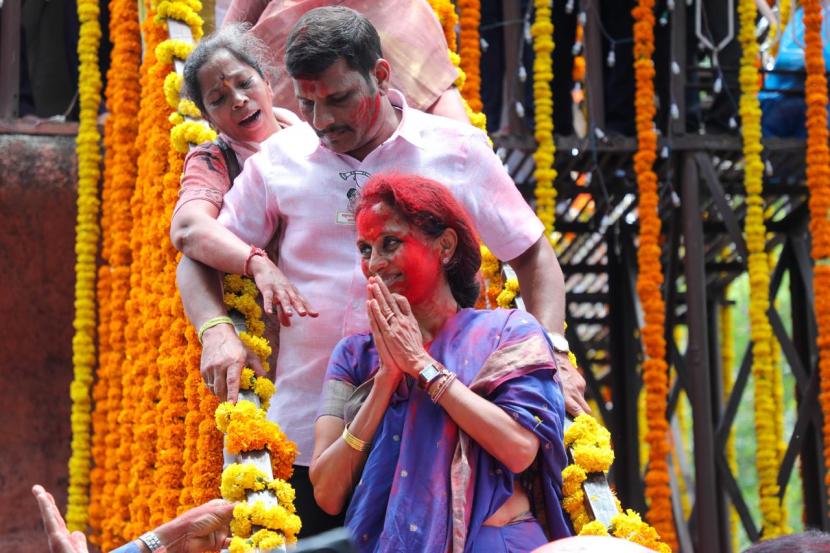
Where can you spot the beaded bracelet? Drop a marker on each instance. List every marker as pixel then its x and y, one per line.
pixel 210 323
pixel 251 254
pixel 442 387
pixel 354 442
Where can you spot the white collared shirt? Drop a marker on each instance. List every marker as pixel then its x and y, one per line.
pixel 300 189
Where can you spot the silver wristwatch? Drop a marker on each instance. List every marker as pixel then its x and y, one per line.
pixel 151 540
pixel 560 343
pixel 428 375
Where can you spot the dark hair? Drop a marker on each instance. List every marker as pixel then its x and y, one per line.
pixel 239 42
pixel 324 35
pixel 432 208
pixel 811 541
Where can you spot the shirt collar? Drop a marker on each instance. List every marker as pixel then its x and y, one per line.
pixel 408 128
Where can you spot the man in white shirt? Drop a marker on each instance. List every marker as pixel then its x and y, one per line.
pixel 300 188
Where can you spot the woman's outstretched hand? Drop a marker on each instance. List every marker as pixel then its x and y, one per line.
pixel 277 291
pixel 396 332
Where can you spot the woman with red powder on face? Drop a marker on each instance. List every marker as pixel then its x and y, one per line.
pixel 444 421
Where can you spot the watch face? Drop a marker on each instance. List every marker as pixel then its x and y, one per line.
pixel 429 373
pixel 559 342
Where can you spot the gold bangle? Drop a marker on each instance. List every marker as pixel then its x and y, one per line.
pixel 210 323
pixel 354 442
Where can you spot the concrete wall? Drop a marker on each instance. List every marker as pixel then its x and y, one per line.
pixel 38 186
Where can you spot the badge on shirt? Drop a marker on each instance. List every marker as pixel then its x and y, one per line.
pixel 354 180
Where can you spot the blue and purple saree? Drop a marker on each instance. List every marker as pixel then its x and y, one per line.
pixel 426 486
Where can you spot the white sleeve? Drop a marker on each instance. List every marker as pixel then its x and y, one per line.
pixel 505 222
pixel 249 211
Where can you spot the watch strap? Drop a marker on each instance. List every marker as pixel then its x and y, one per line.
pixel 151 540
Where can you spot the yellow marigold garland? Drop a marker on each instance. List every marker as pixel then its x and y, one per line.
pixel 544 172
pixel 818 182
pixel 171 49
pixel 590 445
pixel 86 250
pixel 183 11
pixel 246 429
pixel 766 460
pixel 650 278
pixel 492 279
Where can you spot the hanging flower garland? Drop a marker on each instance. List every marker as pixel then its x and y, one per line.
pixel 590 445
pixel 123 92
pixel 650 278
pixel 172 407
pixel 86 250
pixel 544 173
pixel 448 19
pixel 766 458
pixel 149 289
pixel 492 279
pixel 246 428
pixel 818 182
pixel 470 51
pixel 777 31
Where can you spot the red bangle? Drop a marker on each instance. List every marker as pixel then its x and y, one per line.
pixel 253 253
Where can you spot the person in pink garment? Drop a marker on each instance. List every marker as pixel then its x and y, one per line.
pixel 299 190
pixel 412 38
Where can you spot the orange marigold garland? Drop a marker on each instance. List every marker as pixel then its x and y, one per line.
pixel 123 93
pixel 86 250
pixel 650 278
pixel 470 51
pixel 145 293
pixel 172 407
pixel 445 12
pixel 818 182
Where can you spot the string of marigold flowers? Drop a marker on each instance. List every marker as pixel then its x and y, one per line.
pixel 650 278
pixel 778 394
pixel 818 183
pixel 123 93
pixel 590 445
pixel 766 459
pixel 86 251
pixel 544 172
pixel 246 428
pixel 121 526
pixel 100 391
pixel 470 51
pixel 148 265
pixel 172 406
pixel 448 19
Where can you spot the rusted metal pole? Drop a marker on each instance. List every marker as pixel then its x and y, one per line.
pixel 706 535
pixel 9 59
pixel 593 62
